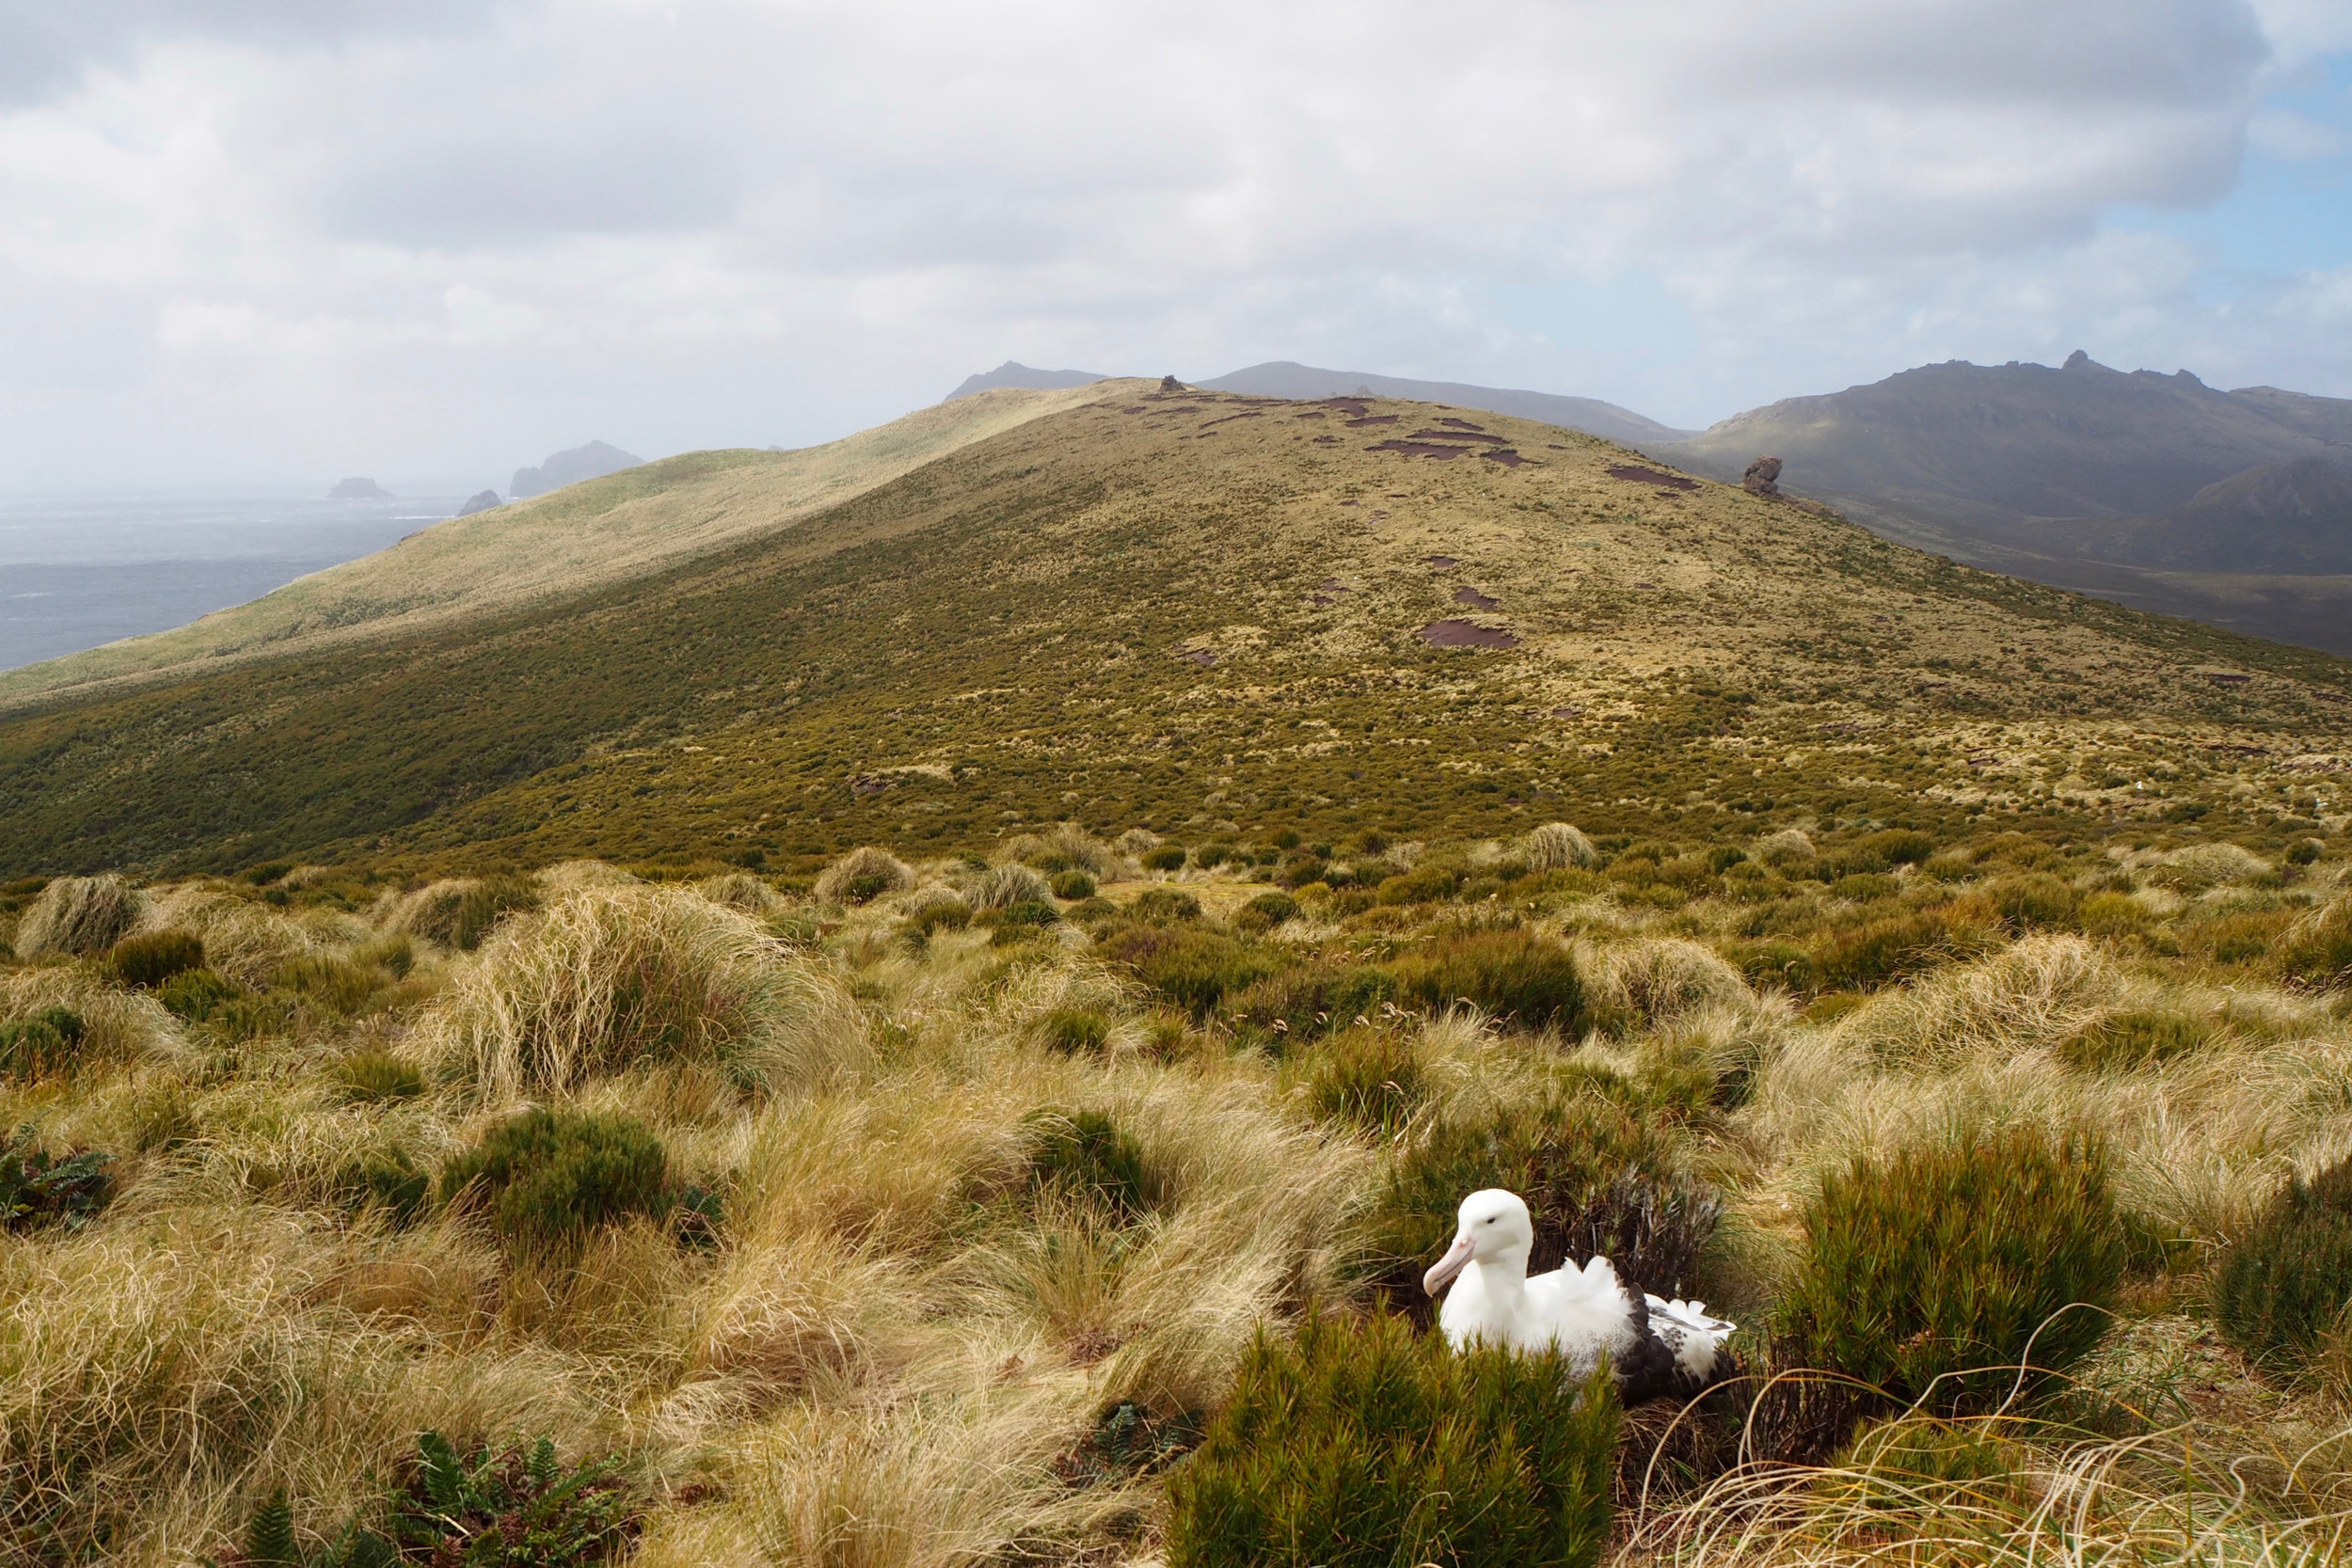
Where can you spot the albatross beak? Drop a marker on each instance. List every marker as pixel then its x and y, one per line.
pixel 1441 1274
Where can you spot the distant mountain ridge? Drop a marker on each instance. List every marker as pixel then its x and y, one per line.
pixel 1280 378
pixel 2156 490
pixel 1026 378
pixel 1998 444
pixel 1284 378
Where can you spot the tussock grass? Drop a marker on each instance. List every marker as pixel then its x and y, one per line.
pixel 602 981
pixel 1559 846
pixel 918 1336
pixel 864 875
pixel 76 915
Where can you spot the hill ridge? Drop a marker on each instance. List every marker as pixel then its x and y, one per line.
pixel 567 540
pixel 1191 610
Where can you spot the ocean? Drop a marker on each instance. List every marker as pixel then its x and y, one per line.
pixel 76 571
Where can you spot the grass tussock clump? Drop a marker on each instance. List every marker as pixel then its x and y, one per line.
pixel 1558 847
pixel 1957 1273
pixel 1662 980
pixel 2318 952
pixel 1002 887
pixel 602 981
pixel 863 875
pixel 2285 1286
pixel 2035 994
pixel 1366 1445
pixel 1368 1078
pixel 78 916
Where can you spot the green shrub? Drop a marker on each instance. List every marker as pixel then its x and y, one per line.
pixel 462 914
pixel 2287 1281
pixel 2242 936
pixel 2322 957
pixel 2305 852
pixel 1779 963
pixel 1074 1031
pixel 1369 1078
pixel 548 1177
pixel 1865 886
pixel 1366 1445
pixel 2113 914
pixel 1195 968
pixel 45 1043
pixel 1595 1178
pixel 36 1190
pixel 1424 884
pixel 1519 975
pixel 512 1508
pixel 328 981
pixel 1210 856
pixel 1311 1000
pixel 1300 870
pixel 1934 1275
pixel 1164 906
pixel 1167 857
pixel 1896 847
pixel 146 961
pixel 1865 958
pixel 1085 1154
pixel 940 914
pixel 1264 912
pixel 367 1076
pixel 252 1015
pixel 1072 886
pixel 2036 901
pixel 390 1182
pixel 2125 1042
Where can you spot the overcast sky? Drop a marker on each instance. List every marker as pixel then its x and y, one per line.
pixel 430 241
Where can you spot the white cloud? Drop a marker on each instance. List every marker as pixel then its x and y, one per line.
pixel 443 240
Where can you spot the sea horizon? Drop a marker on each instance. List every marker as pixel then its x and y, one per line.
pixel 80 569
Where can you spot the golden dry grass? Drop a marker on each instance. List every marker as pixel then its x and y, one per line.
pixel 901 1339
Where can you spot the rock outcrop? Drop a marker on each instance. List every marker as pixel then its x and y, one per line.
pixel 1763 476
pixel 359 490
pixel 482 502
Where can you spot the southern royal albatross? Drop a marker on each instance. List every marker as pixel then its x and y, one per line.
pixel 1654 1346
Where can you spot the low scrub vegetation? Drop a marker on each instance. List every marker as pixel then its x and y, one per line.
pixel 1957 1274
pixel 1372 1445
pixel 956 1219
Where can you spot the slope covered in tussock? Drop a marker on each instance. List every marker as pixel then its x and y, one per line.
pixel 627 525
pixel 1194 612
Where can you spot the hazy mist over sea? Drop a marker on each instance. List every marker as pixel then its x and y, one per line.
pixel 81 570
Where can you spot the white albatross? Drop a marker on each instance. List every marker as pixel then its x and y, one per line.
pixel 1654 1346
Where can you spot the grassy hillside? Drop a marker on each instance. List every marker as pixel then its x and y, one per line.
pixel 628 525
pixel 1949 980
pixel 1199 613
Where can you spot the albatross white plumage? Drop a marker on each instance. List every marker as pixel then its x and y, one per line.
pixel 1654 1346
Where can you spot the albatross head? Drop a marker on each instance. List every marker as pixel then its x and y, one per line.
pixel 1492 1224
